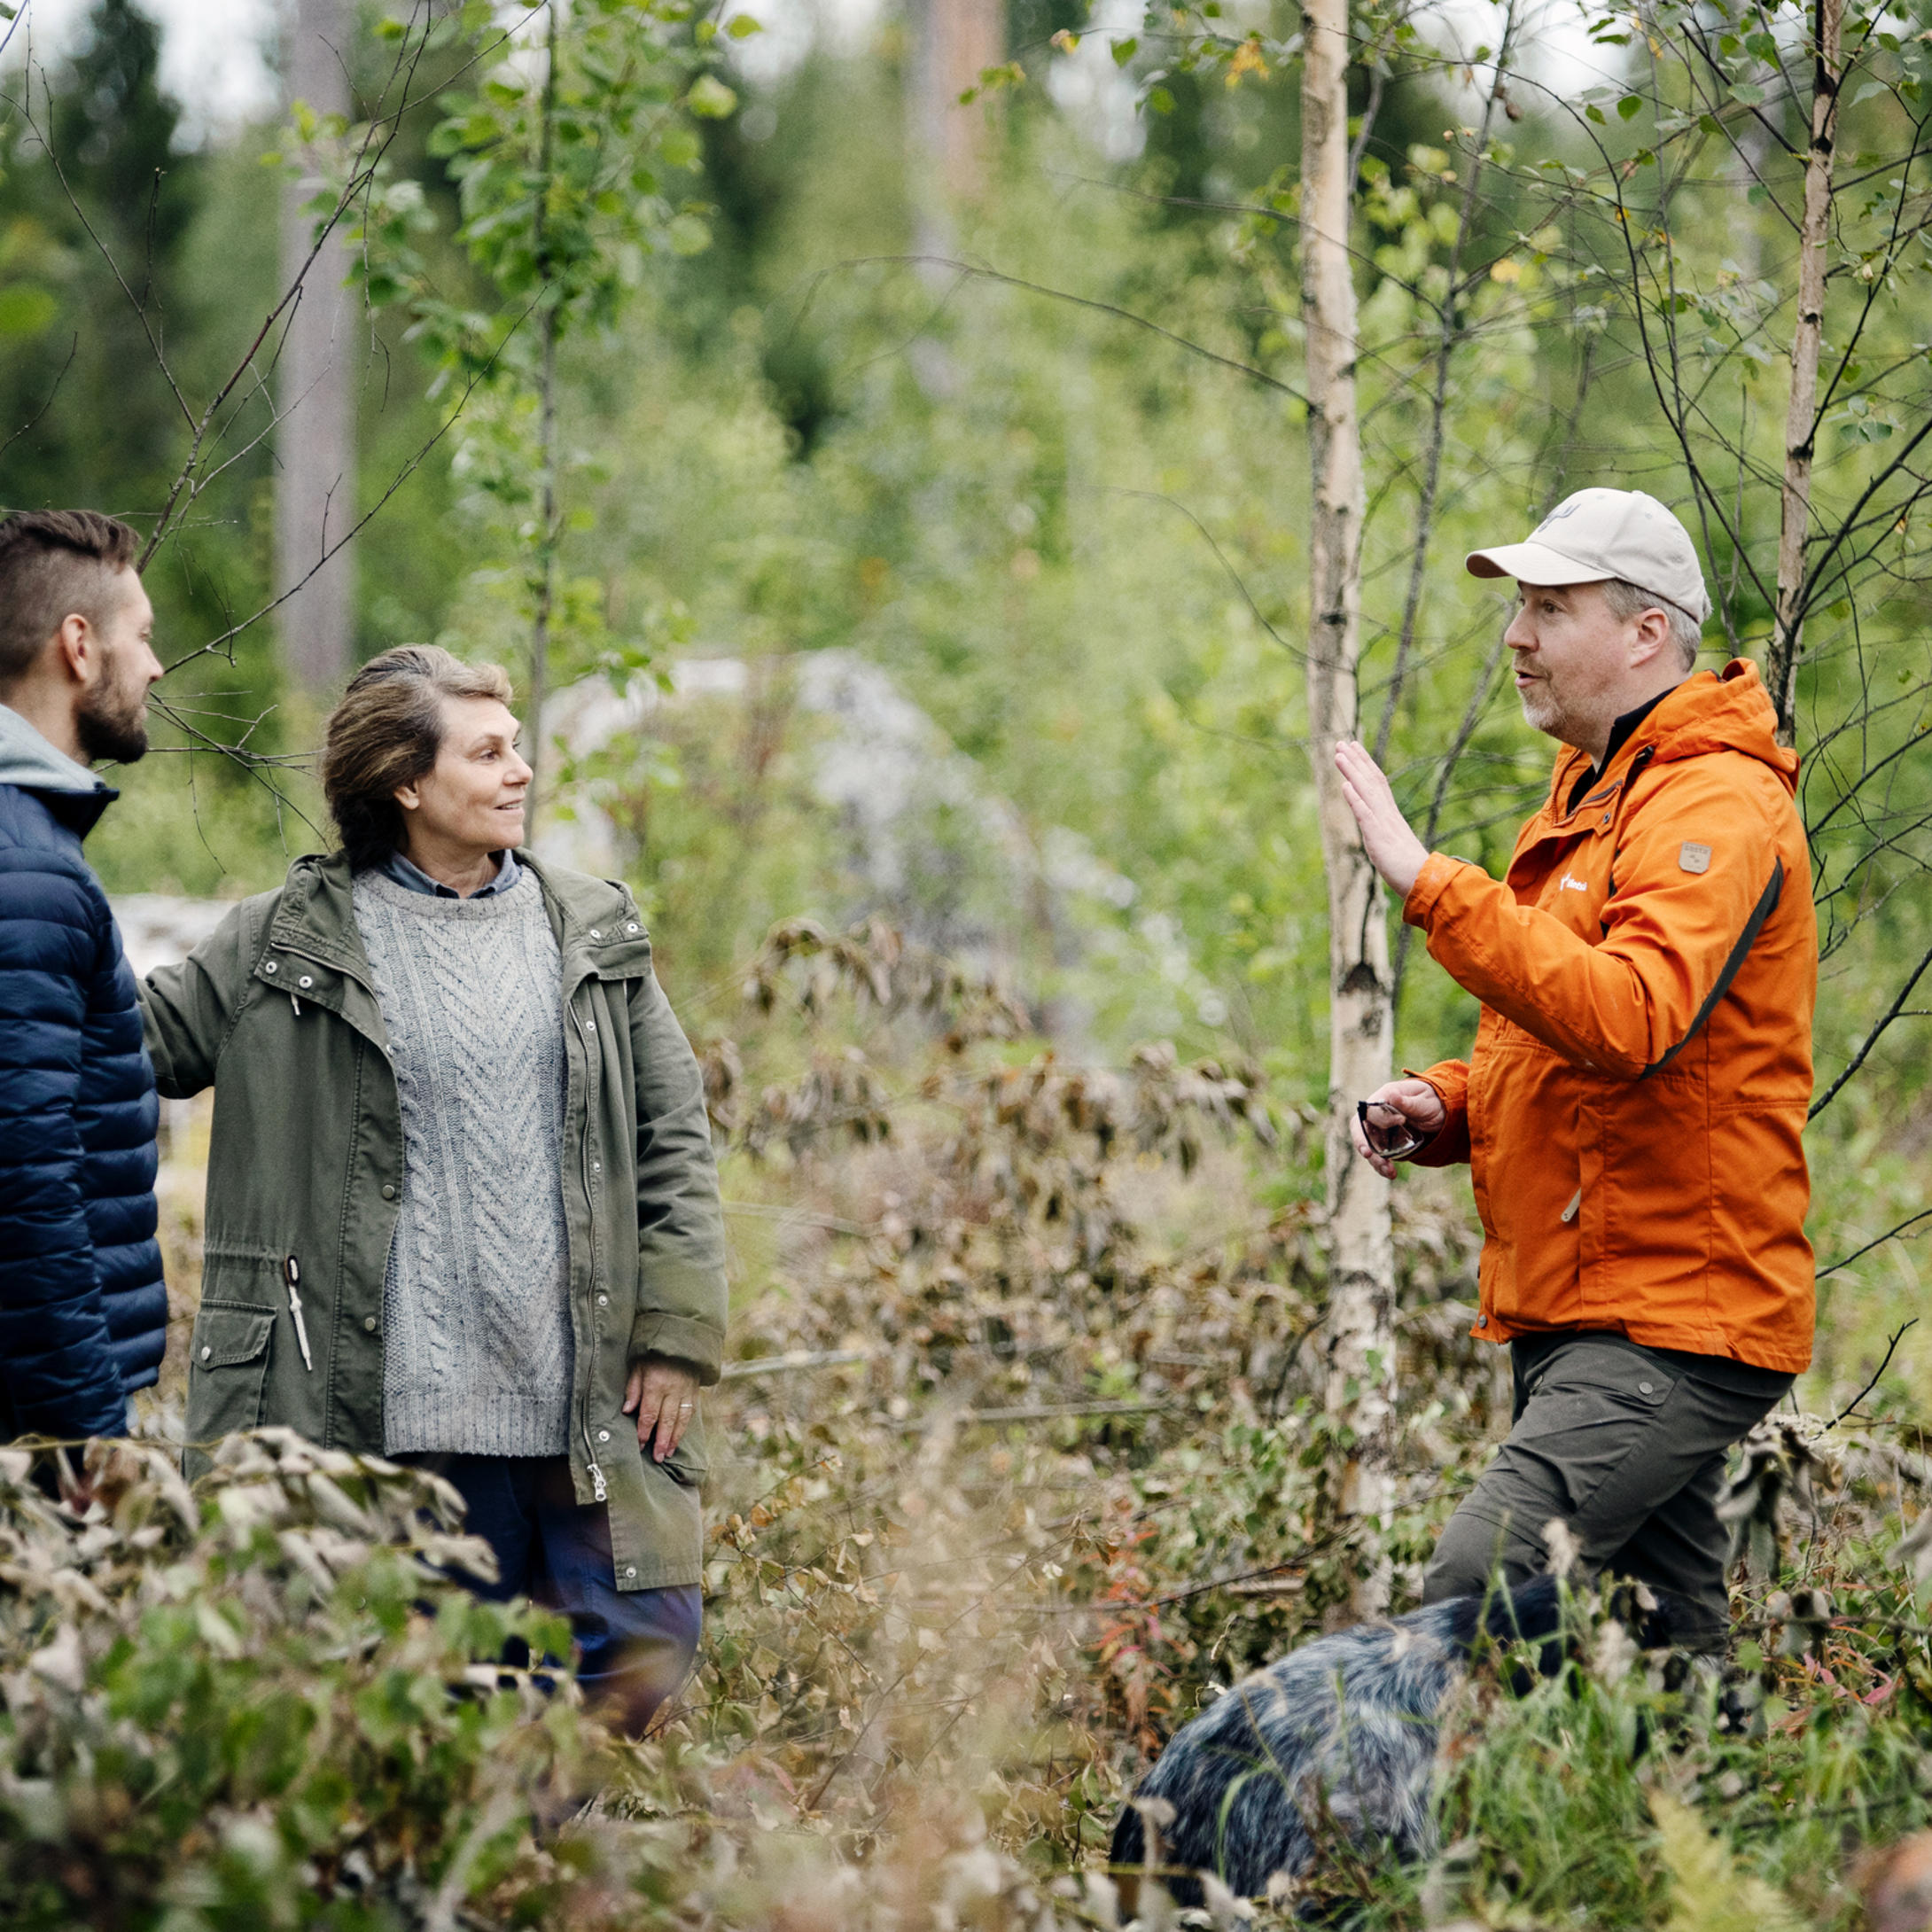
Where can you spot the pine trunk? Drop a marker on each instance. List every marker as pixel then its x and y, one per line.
pixel 958 41
pixel 1360 1334
pixel 314 498
pixel 544 588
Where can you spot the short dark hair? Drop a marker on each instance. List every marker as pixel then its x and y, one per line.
pixel 54 565
pixel 386 732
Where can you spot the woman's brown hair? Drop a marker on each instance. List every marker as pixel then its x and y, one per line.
pixel 386 732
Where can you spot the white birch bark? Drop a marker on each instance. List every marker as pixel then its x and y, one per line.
pixel 1359 1331
pixel 1799 434
pixel 316 380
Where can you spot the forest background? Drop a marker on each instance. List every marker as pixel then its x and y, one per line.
pixel 909 498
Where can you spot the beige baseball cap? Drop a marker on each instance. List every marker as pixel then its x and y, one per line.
pixel 1598 534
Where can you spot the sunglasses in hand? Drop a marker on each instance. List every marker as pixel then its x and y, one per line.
pixel 1394 1139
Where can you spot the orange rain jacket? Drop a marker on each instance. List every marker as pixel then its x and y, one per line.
pixel 1633 1107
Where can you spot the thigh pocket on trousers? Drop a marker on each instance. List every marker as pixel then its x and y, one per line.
pixel 228 1369
pixel 1590 1411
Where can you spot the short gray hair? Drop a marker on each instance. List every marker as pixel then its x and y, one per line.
pixel 1628 600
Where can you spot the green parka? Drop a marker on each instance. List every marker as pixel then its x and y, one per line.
pixel 277 1011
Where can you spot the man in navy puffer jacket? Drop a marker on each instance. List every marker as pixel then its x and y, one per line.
pixel 83 1310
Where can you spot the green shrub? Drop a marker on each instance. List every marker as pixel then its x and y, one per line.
pixel 258 1704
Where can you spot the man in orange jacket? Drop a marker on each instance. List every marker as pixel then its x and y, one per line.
pixel 1633 1107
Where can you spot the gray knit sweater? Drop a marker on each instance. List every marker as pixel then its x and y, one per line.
pixel 476 1314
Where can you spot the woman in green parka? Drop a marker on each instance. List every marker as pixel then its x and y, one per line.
pixel 461 1204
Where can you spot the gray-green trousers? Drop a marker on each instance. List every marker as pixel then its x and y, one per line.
pixel 1628 1447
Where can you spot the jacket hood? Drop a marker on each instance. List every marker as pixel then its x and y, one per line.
pixel 1722 711
pixel 74 795
pixel 26 759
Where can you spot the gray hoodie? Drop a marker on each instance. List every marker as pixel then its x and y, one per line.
pixel 26 759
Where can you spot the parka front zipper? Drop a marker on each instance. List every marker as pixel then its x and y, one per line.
pixel 597 1487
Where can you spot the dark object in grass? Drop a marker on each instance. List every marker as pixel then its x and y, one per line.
pixel 1334 1742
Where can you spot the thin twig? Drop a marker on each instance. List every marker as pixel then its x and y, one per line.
pixel 1877 1374
pixel 1870 1039
pixel 1911 1220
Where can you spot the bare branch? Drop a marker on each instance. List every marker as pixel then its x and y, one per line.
pixel 1871 1039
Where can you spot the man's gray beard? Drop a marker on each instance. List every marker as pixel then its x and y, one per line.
pixel 1540 714
pixel 109 735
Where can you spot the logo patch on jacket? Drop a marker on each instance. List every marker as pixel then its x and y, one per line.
pixel 1692 857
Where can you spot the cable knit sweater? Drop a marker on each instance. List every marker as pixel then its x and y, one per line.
pixel 476 1313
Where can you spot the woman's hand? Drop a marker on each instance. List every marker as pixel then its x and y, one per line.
pixel 1393 849
pixel 663 1396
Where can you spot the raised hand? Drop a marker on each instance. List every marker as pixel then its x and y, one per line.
pixel 1393 849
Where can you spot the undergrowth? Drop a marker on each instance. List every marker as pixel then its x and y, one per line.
pixel 1024 1466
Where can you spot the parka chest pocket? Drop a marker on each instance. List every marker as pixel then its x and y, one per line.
pixel 618 947
pixel 228 1369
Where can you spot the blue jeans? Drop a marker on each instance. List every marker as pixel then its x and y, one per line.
pixel 634 1646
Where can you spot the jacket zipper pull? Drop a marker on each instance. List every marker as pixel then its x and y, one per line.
pixel 297 1004
pixel 1569 1212
pixel 596 1483
pixel 294 1274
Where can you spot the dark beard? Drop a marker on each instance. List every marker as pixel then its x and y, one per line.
pixel 108 733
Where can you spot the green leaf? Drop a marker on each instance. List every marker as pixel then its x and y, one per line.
pixel 1629 107
pixel 742 26
pixel 1160 100
pixel 710 99
pixel 688 234
pixel 679 148
pixel 1593 112
pixel 25 310
pixel 1124 51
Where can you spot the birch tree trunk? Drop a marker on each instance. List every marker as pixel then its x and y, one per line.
pixel 315 496
pixel 1359 1333
pixel 1799 434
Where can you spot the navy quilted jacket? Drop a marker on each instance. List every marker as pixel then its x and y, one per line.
pixel 83 1310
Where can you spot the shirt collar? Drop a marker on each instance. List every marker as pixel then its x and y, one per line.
pixel 1619 737
pixel 407 873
